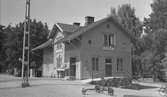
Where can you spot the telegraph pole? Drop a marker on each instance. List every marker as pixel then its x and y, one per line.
pixel 26 47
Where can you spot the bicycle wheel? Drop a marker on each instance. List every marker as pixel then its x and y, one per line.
pixel 163 92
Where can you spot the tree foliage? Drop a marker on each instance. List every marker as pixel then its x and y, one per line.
pixel 157 19
pixel 131 23
pixel 2 55
pixel 14 42
pixel 129 20
pixel 156 40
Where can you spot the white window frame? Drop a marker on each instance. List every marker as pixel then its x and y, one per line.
pixel 109 40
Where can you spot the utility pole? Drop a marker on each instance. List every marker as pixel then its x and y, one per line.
pixel 26 47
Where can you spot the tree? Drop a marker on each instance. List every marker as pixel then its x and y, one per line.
pixel 11 47
pixel 1 36
pixel 2 56
pixel 128 19
pixel 157 19
pixel 156 28
pixel 14 43
pixel 157 50
pixel 38 35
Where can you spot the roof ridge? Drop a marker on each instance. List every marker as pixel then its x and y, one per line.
pixel 67 27
pixel 65 24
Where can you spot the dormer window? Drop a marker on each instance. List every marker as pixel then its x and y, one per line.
pixel 109 40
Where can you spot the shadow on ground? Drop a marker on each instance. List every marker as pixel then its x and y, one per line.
pixel 7 88
pixel 43 84
pixel 137 87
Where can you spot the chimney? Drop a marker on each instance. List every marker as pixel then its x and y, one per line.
pixel 76 24
pixel 89 20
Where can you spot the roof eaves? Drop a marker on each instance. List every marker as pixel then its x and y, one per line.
pixel 59 27
pixel 44 45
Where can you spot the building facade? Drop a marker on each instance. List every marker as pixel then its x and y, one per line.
pixel 97 49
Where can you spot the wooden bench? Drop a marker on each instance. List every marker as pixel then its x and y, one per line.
pixel 99 89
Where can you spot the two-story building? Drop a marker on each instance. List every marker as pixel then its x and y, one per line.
pixel 97 49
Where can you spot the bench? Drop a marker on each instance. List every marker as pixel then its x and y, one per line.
pixel 99 89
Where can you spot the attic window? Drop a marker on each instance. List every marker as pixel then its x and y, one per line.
pixel 89 42
pixel 109 40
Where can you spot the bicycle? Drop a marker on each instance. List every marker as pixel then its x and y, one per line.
pixel 163 91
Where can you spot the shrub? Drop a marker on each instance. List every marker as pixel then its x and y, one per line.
pixel 114 82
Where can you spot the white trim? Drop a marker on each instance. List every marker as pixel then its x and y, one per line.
pixel 59 27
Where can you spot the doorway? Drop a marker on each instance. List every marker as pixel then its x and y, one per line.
pixel 73 66
pixel 108 67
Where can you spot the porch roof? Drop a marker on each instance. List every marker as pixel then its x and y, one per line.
pixel 45 44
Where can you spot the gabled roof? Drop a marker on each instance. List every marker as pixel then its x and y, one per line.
pixel 84 29
pixel 44 45
pixel 67 27
pixel 87 28
pixel 76 31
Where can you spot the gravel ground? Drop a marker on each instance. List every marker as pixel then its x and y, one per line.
pixel 60 88
pixel 63 88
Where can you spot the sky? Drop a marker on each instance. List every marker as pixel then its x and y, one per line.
pixel 66 11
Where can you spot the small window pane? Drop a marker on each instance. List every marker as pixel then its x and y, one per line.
pixel 108 60
pixel 93 63
pixel 97 64
pixel 105 40
pixel 89 41
pixel 111 39
pixel 119 64
pixel 59 61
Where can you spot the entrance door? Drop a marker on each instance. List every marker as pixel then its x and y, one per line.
pixel 72 66
pixel 108 70
pixel 108 67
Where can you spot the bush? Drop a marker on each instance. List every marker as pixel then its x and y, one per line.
pixel 125 81
pixel 114 82
pixel 93 82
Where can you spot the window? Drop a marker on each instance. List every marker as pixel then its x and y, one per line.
pixel 95 63
pixel 119 64
pixel 89 41
pixel 105 40
pixel 108 26
pixel 109 40
pixel 108 67
pixel 59 61
pixel 59 46
pixel 108 61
